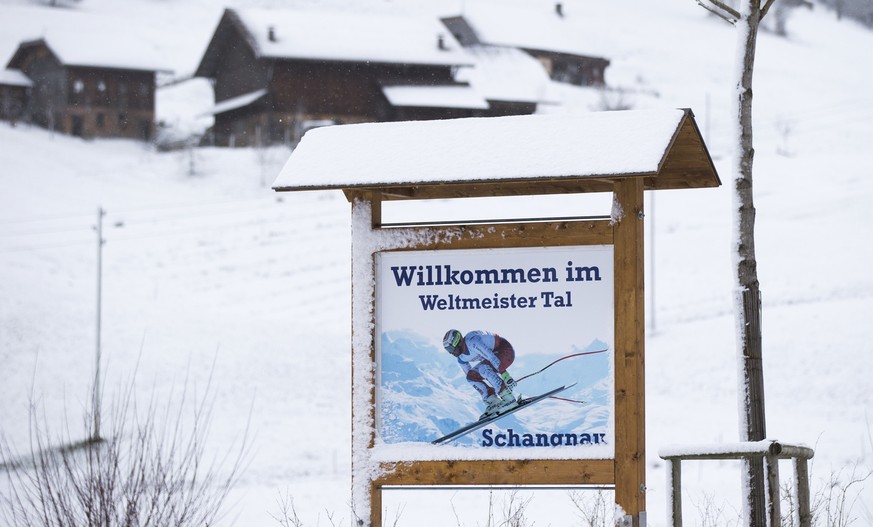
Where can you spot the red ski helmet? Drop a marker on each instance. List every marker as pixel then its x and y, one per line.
pixel 452 341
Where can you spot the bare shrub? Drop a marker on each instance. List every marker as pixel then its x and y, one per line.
pixel 511 515
pixel 712 514
pixel 833 504
pixel 149 470
pixel 596 508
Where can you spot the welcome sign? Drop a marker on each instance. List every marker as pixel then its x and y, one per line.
pixel 553 306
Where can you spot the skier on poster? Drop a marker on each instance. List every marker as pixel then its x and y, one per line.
pixel 484 357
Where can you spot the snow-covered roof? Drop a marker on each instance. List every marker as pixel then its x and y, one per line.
pixel 234 103
pixel 528 148
pixel 13 77
pixel 101 50
pixel 318 34
pixel 505 74
pixel 457 96
pixel 532 26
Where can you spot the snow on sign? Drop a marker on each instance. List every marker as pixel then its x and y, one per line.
pixel 467 340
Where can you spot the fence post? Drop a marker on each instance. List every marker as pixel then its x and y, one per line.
pixel 801 476
pixel 774 511
pixel 674 483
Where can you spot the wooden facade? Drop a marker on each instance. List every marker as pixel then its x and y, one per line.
pixel 14 96
pixel 562 66
pixel 85 100
pixel 302 90
pixel 569 68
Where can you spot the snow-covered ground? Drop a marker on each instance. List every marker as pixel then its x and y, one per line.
pixel 204 263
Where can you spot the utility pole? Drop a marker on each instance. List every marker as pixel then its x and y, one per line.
pixel 95 434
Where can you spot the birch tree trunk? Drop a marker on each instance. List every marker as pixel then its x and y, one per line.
pixel 748 295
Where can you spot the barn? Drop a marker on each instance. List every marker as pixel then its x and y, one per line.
pixel 278 72
pixel 89 87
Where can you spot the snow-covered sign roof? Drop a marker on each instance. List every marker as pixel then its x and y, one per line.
pixel 310 34
pixel 100 50
pixel 13 77
pixel 505 74
pixel 458 96
pixel 234 103
pixel 501 155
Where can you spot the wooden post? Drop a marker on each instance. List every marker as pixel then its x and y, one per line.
pixel 364 295
pixel 801 475
pixel 773 498
pixel 753 404
pixel 375 489
pixel 630 419
pixel 674 483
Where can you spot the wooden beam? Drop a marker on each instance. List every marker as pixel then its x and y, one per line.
pixel 364 204
pixel 561 233
pixel 500 472
pixel 534 187
pixel 674 483
pixel 687 163
pixel 630 422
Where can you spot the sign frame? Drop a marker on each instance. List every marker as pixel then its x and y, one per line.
pixel 626 470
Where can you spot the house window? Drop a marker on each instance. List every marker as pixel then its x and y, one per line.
pixel 122 121
pixel 101 120
pixel 77 92
pixel 102 93
pixel 123 100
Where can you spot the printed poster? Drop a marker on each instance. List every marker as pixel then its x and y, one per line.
pixel 542 316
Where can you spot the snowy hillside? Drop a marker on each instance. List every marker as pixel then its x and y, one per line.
pixel 204 263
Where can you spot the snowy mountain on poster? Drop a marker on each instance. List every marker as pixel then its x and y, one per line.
pixel 424 394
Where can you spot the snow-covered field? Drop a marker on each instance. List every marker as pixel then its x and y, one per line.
pixel 204 263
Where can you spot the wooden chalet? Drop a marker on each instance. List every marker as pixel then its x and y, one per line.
pixel 550 37
pixel 89 88
pixel 14 95
pixel 512 81
pixel 279 72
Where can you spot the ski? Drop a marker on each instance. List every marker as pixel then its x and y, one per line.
pixel 476 425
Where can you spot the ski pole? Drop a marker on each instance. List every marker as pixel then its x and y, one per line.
pixel 559 360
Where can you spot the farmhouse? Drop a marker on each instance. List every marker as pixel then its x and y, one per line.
pixel 513 82
pixel 89 87
pixel 14 95
pixel 277 72
pixel 550 35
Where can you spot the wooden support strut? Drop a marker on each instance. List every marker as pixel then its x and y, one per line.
pixel 630 437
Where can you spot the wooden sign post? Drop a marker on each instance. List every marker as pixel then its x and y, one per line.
pixel 466 158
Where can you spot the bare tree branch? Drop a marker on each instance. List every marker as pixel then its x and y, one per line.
pixel 150 469
pixel 727 9
pixel 723 15
pixel 767 7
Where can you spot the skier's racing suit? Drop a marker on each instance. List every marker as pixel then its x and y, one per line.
pixel 486 358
